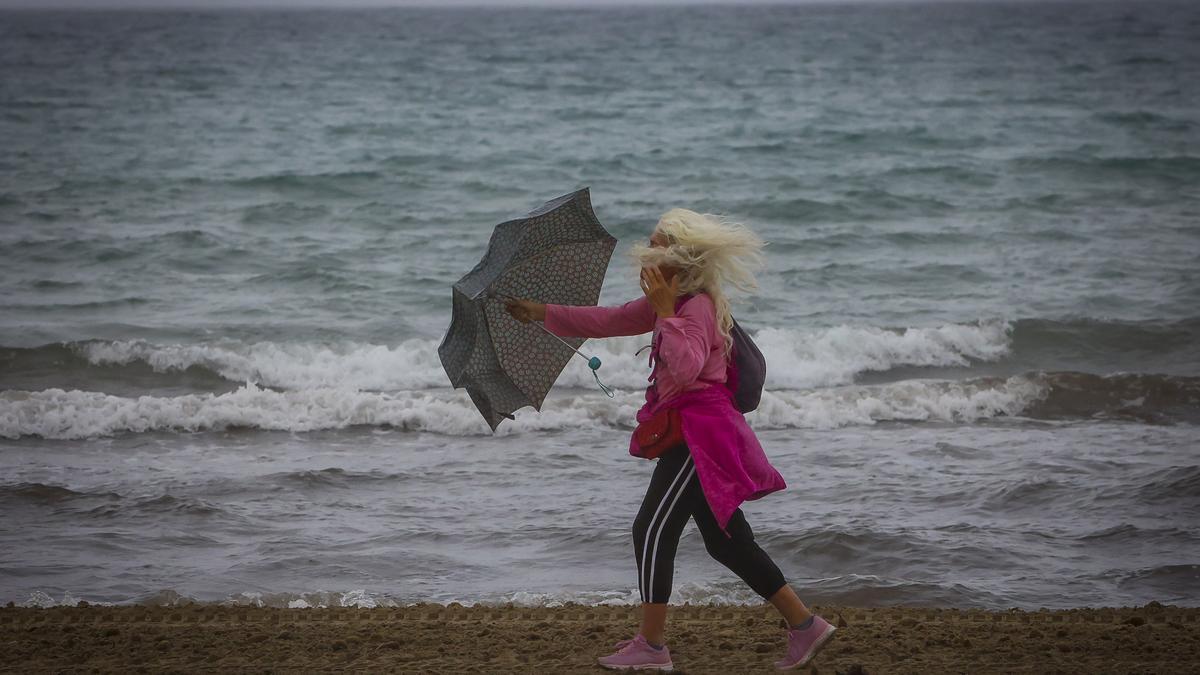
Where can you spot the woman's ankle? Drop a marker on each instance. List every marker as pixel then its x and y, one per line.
pixel 789 605
pixel 654 623
pixel 656 641
pixel 803 625
pixel 656 644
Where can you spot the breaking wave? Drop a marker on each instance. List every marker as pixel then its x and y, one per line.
pixel 60 414
pixel 798 359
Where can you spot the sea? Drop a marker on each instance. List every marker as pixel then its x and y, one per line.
pixel 228 239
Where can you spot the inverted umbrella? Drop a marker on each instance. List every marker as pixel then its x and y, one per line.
pixel 558 253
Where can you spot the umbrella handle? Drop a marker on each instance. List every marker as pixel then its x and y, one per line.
pixel 593 363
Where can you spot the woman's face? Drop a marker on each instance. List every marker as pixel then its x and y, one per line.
pixel 659 240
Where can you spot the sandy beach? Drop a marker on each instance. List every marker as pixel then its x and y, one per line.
pixel 437 639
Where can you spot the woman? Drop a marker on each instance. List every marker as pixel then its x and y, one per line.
pixel 721 464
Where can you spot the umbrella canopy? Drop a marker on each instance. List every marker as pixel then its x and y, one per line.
pixel 558 254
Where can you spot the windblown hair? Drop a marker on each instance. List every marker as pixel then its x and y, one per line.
pixel 710 252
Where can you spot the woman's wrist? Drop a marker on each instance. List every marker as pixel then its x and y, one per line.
pixel 663 308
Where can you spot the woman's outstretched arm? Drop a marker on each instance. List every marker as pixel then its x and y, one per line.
pixel 632 318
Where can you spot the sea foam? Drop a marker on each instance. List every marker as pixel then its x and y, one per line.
pixel 56 413
pixel 796 359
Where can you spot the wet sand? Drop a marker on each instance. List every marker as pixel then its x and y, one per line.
pixel 437 639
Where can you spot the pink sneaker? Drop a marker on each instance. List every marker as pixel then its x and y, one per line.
pixel 803 645
pixel 637 654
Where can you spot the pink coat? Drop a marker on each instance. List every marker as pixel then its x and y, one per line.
pixel 729 460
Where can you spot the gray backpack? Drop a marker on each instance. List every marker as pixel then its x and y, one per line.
pixel 747 370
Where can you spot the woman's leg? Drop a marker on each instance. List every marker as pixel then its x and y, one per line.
pixel 745 558
pixel 789 605
pixel 656 530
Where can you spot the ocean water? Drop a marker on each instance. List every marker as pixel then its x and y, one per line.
pixel 227 240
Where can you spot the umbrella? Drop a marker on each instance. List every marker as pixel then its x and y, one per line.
pixel 558 253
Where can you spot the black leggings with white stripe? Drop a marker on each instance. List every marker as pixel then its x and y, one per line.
pixel 674 496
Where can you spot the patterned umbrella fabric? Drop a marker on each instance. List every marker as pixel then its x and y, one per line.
pixel 556 254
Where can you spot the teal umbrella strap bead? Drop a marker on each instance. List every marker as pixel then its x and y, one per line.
pixel 594 364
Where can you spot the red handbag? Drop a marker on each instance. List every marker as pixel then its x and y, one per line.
pixel 659 434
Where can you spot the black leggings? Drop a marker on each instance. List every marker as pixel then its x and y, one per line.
pixel 674 496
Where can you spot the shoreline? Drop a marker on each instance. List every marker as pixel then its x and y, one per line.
pixel 703 639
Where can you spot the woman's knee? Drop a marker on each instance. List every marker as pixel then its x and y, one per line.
pixel 728 548
pixel 721 551
pixel 641 526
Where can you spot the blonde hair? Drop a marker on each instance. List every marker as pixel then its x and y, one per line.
pixel 709 251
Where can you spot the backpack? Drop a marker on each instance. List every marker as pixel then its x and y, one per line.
pixel 747 368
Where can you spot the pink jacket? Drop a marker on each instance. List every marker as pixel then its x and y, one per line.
pixel 730 462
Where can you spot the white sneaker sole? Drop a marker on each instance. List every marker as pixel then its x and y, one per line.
pixel 812 653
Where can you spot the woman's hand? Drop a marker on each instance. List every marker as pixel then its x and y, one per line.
pixel 526 310
pixel 659 292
